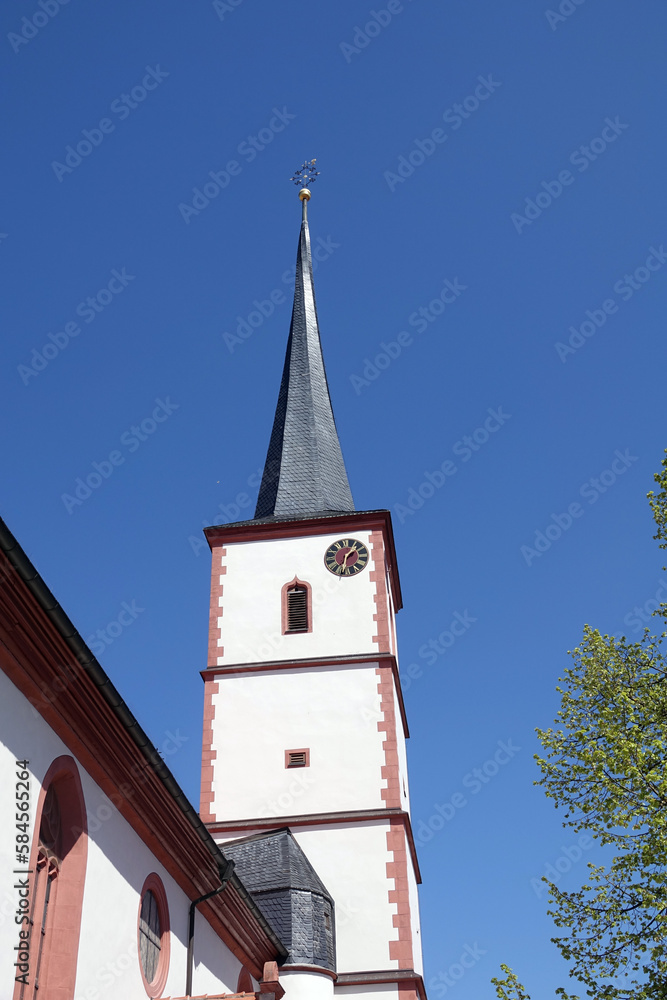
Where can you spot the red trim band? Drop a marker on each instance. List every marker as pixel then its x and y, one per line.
pixel 378 519
pixel 320 819
pixel 381 659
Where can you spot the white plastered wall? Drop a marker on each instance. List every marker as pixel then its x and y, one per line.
pixel 117 864
pixel 351 859
pixel 251 619
pixel 372 991
pixel 331 711
pixel 402 755
pixel 417 957
pixel 307 985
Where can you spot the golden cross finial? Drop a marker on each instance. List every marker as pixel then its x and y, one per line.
pixel 306 174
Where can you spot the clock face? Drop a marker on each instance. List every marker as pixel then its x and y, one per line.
pixel 346 557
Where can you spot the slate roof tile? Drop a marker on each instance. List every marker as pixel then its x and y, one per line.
pixel 304 471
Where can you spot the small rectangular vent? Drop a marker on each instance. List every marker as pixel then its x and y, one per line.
pixel 297 609
pixel 297 758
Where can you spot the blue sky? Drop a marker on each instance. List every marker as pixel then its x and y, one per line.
pixel 513 153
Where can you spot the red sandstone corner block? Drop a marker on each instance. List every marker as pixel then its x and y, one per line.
pixel 400 950
pixel 391 795
pixel 206 796
pixel 379 578
pixel 216 609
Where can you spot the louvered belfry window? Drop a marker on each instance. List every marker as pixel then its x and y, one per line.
pixel 297 609
pixel 298 758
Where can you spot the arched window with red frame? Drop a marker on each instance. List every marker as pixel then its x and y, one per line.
pixel 297 607
pixel 57 876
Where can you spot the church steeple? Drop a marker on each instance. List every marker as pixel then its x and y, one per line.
pixel 304 473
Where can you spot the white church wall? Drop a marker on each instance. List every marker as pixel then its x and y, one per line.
pixel 331 711
pixel 417 960
pixel 402 756
pixel 388 603
pixel 117 864
pixel 372 991
pixel 251 619
pixel 306 986
pixel 214 963
pixel 351 859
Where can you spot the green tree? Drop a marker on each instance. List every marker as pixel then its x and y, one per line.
pixel 509 988
pixel 605 765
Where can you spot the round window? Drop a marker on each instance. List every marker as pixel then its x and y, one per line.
pixel 154 936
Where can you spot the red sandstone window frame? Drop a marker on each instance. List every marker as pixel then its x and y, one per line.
pixel 153 883
pixel 301 750
pixel 296 582
pixel 60 948
pixel 244 982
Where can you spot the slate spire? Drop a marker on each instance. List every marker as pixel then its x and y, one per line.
pixel 304 472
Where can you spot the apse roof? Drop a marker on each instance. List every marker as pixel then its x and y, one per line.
pixel 273 860
pixel 290 894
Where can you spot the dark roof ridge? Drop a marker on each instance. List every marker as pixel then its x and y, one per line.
pixel 261 870
pixel 302 516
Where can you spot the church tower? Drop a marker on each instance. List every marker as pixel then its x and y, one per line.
pixel 304 777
